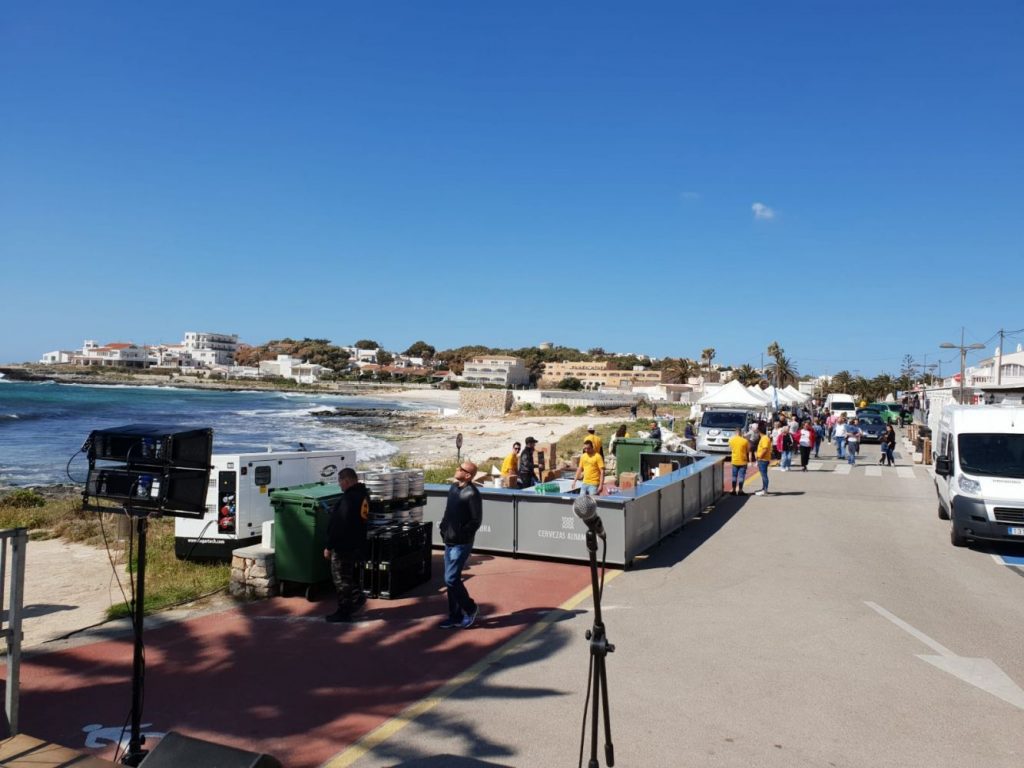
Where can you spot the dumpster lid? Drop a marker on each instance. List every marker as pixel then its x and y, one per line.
pixel 315 492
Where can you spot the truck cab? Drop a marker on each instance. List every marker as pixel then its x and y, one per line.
pixel 979 472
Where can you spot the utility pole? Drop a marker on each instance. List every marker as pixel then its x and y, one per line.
pixel 999 358
pixel 963 358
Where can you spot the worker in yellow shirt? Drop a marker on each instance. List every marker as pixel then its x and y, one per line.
pixel 591 469
pixel 740 447
pixel 510 466
pixel 595 438
pixel 763 454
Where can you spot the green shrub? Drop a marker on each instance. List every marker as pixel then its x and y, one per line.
pixel 22 498
pixel 526 407
pixel 559 408
pixel 579 410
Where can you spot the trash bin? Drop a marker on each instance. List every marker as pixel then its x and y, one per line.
pixel 300 527
pixel 627 453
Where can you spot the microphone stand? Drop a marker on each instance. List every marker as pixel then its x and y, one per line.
pixel 599 650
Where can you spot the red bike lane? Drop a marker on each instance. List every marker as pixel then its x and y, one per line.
pixel 273 676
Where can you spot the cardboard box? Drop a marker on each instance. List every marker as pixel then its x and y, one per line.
pixel 665 468
pixel 627 480
pixel 509 481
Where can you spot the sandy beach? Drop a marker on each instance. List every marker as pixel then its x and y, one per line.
pixel 429 438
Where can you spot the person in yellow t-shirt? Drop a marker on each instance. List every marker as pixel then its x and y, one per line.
pixel 763 454
pixel 595 438
pixel 591 469
pixel 740 447
pixel 510 466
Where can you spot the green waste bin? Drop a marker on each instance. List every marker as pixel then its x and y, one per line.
pixel 300 529
pixel 627 453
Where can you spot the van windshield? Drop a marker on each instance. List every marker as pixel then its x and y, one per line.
pixel 843 405
pixel 723 419
pixel 998 455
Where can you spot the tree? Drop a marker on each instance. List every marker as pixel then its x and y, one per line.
pixel 841 383
pixel 384 358
pixel 677 370
pixel 570 382
pixel 784 371
pixel 420 349
pixel 746 375
pixel 597 352
pixel 366 344
pixel 707 356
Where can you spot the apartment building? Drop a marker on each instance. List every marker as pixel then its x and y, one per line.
pixel 502 370
pixel 211 349
pixel 116 354
pixel 599 375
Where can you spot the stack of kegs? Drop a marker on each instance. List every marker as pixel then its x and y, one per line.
pixel 381 487
pixel 417 494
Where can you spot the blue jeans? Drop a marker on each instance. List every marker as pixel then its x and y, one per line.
pixel 588 489
pixel 739 474
pixel 787 460
pixel 459 601
pixel 851 452
pixel 887 453
pixel 840 442
pixel 762 467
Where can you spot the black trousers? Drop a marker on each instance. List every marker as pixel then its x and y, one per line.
pixel 805 455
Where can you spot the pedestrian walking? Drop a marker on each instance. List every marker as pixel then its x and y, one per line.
pixel 888 446
pixel 819 436
pixel 805 441
pixel 852 441
pixel 785 448
pixel 839 435
pixel 463 514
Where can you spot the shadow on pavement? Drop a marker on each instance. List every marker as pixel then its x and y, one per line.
pixel 449 761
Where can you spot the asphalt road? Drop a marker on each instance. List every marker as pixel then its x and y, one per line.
pixel 829 624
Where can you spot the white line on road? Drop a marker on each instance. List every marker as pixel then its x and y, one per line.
pixel 815 466
pixel 843 469
pixel 872 471
pixel 907 473
pixel 981 673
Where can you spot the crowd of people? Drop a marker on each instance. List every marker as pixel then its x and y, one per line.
pixel 800 434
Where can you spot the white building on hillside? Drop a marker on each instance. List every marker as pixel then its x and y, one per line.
pixel 57 357
pixel 999 369
pixel 116 354
pixel 211 349
pixel 293 368
pixel 495 369
pixel 362 357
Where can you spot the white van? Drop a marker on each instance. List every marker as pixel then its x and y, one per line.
pixel 839 403
pixel 238 497
pixel 718 425
pixel 979 472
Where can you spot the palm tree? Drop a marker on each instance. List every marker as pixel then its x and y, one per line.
pixel 784 371
pixel 746 375
pixel 708 355
pixel 677 370
pixel 841 382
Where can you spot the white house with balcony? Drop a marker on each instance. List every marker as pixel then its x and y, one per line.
pixel 293 368
pixel 1000 369
pixel 501 370
pixel 115 354
pixel 210 349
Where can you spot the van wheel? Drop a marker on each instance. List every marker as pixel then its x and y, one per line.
pixel 943 514
pixel 956 538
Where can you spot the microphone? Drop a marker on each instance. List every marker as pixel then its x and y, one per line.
pixel 586 510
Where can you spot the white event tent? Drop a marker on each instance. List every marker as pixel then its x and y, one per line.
pixel 732 395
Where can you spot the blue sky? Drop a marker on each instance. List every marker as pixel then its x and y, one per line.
pixel 845 178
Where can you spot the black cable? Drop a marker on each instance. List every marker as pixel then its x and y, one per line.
pixel 586 707
pixel 198 539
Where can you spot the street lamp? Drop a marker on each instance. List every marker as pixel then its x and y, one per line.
pixel 963 358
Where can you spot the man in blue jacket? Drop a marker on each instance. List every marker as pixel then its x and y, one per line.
pixel 462 517
pixel 346 543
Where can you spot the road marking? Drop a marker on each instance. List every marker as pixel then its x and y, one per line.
pixel 906 473
pixel 815 466
pixel 389 728
pixel 843 469
pixel 872 471
pixel 981 673
pixel 1011 560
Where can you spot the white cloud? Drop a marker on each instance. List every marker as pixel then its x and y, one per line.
pixel 762 211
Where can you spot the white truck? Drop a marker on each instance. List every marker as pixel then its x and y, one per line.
pixel 979 472
pixel 718 425
pixel 238 497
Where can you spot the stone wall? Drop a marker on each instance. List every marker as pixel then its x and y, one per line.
pixel 485 402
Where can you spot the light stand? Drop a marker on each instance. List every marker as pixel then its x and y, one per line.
pixel 599 650
pixel 135 753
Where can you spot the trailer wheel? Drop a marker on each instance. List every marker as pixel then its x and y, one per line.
pixel 311 593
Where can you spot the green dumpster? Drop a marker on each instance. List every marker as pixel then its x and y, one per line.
pixel 627 453
pixel 300 528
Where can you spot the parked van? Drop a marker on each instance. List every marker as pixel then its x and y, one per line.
pixel 979 472
pixel 838 403
pixel 238 497
pixel 718 425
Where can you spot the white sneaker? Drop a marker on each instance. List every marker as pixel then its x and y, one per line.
pixel 759 493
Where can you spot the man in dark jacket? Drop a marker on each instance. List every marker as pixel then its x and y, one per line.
pixel 346 543
pixel 528 474
pixel 462 517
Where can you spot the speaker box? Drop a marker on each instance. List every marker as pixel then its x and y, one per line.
pixel 152 445
pixel 177 751
pixel 180 492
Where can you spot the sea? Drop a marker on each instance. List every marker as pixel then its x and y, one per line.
pixel 43 425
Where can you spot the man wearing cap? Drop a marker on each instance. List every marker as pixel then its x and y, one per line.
pixel 595 439
pixel 529 475
pixel 463 514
